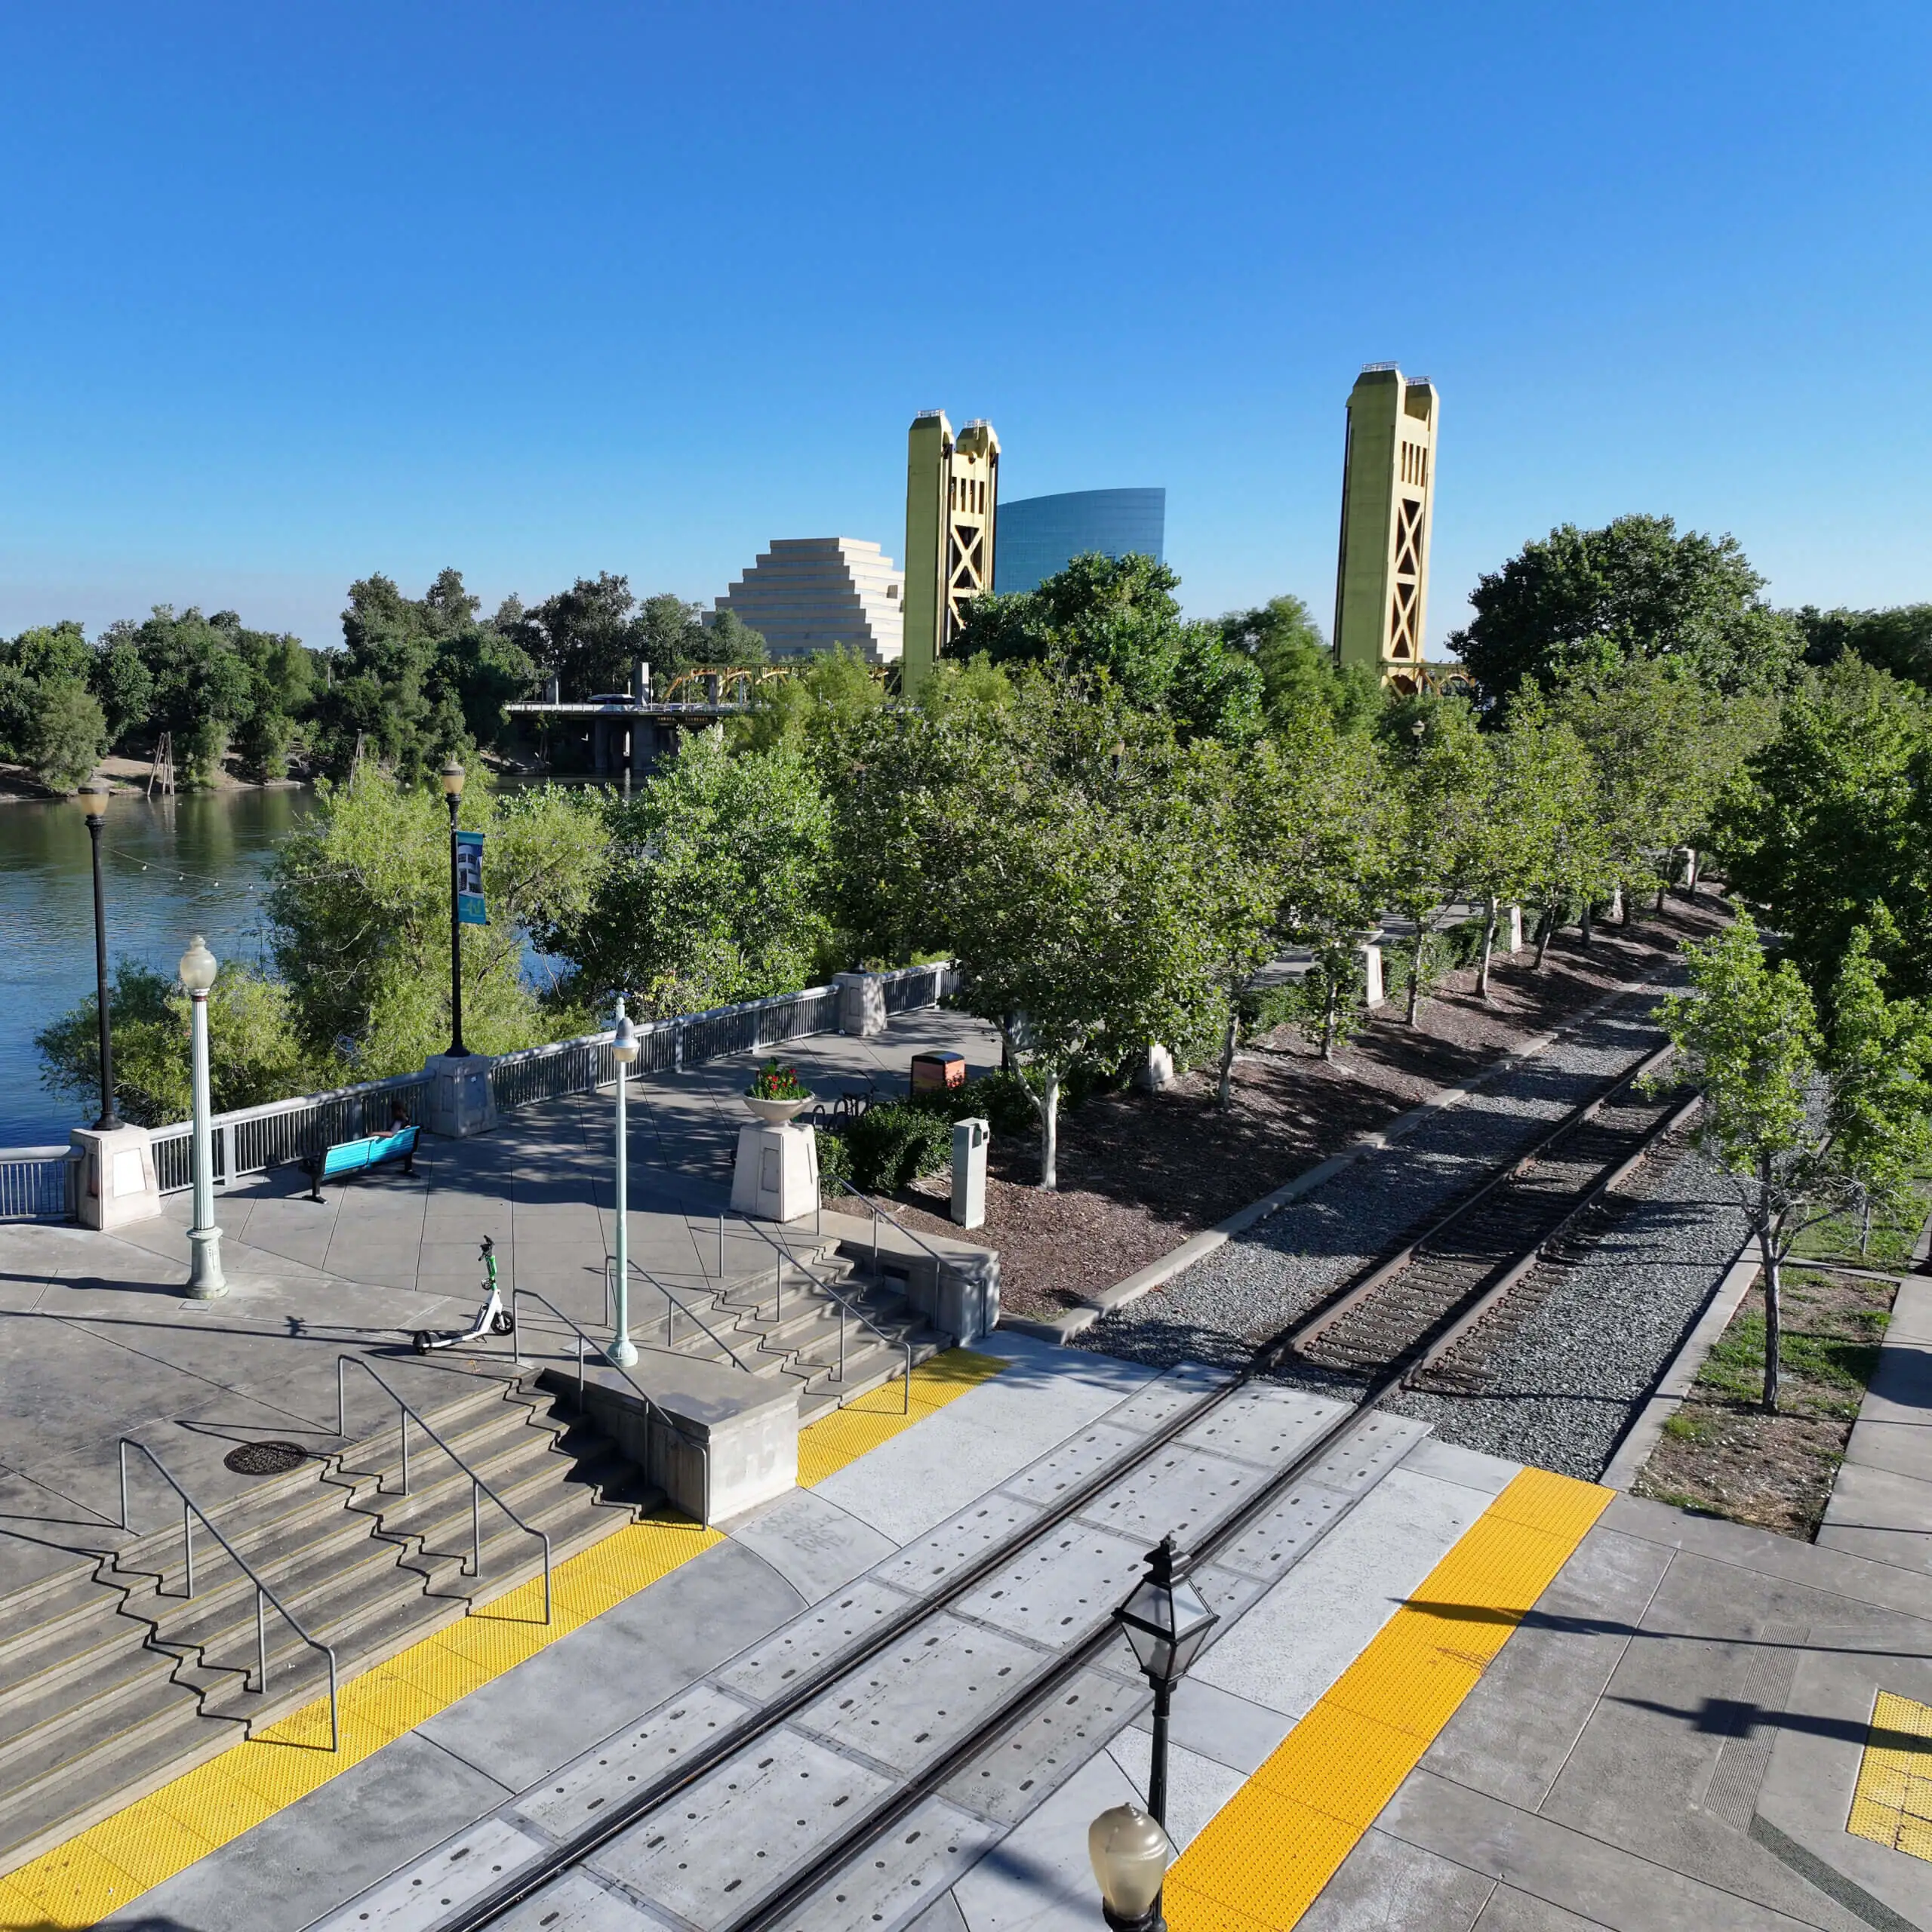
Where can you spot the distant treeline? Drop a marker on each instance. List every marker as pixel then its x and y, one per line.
pixel 414 679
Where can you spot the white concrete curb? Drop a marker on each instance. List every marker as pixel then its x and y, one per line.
pixel 1646 1432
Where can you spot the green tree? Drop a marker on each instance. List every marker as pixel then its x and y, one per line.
pixel 66 734
pixel 1333 898
pixel 825 697
pixel 1298 673
pixel 254 1054
pixel 713 890
pixel 359 907
pixel 1586 599
pixel 1898 640
pixel 1806 1124
pixel 1438 783
pixel 1060 886
pixel 1833 818
pixel 1118 617
pixel 1238 822
pixel 1566 855
pixel 418 679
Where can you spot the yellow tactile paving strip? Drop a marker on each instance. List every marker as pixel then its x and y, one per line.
pixel 845 1434
pixel 1263 1858
pixel 101 1870
pixel 1893 1802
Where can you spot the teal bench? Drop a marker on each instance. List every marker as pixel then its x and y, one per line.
pixel 355 1157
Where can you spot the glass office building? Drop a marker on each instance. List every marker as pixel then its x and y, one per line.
pixel 1038 535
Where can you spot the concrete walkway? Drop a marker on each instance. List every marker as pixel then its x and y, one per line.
pixel 96 1340
pixel 1881 1503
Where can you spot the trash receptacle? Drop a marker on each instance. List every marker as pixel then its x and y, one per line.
pixel 970 1138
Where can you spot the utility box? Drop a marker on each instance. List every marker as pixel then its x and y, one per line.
pixel 937 1073
pixel 970 1140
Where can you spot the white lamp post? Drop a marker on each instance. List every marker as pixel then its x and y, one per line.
pixel 623 1050
pixel 205 1279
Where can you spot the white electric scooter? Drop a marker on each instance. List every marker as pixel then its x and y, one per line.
pixel 492 1318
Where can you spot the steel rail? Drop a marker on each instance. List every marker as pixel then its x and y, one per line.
pixel 778 1907
pixel 1310 1326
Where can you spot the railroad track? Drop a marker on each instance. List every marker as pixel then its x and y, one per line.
pixel 1409 1315
pixel 1408 1312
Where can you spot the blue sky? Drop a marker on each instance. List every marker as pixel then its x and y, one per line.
pixel 294 294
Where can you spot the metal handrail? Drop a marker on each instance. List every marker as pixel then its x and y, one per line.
pixel 650 1403
pixel 478 1486
pixel 845 1307
pixel 191 1509
pixel 672 1304
pixel 943 1261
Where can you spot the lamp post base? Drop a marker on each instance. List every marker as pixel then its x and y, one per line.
pixel 1149 1920
pixel 205 1280
pixel 623 1352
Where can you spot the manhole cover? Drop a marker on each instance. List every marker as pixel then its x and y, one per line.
pixel 264 1458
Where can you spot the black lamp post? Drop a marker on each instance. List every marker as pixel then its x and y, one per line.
pixel 1166 1621
pixel 93 802
pixel 453 796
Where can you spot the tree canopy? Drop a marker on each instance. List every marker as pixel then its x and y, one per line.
pixel 1586 600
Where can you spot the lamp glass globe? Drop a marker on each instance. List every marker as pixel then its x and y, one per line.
pixel 198 966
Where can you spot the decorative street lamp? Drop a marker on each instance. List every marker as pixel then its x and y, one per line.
pixel 452 776
pixel 205 1279
pixel 93 802
pixel 623 1350
pixel 1166 1621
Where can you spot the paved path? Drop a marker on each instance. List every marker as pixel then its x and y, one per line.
pixel 97 1341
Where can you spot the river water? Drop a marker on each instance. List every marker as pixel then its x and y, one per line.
pixel 173 867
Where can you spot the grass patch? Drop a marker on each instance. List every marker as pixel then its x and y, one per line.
pixel 1721 1454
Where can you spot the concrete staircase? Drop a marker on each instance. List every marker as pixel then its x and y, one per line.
pixel 792 1331
pixel 112 1681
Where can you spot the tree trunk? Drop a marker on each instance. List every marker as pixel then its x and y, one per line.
pixel 1225 1096
pixel 1049 1106
pixel 1488 947
pixel 1691 872
pixel 1585 930
pixel 1663 886
pixel 1415 970
pixel 1623 899
pixel 1773 1319
pixel 1544 932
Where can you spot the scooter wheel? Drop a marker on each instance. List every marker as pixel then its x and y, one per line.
pixel 505 1323
pixel 422 1341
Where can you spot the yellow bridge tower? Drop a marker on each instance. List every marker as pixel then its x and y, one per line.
pixel 951 499
pixel 1388 505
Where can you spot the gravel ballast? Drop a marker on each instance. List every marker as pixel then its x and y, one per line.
pixel 1560 1393
pixel 1251 1289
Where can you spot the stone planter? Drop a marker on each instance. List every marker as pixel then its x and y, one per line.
pixel 776 1113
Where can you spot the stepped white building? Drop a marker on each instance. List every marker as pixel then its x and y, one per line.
pixel 808 593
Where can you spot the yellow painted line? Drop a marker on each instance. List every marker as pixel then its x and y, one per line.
pixel 99 1871
pixel 1264 1857
pixel 843 1435
pixel 1892 1803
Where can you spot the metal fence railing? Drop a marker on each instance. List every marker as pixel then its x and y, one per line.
pixel 250 1140
pixel 35 1183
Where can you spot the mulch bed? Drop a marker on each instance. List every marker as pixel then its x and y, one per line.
pixel 1138 1173
pixel 1722 1454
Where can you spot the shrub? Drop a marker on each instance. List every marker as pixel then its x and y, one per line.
pixel 835 1160
pixel 896 1142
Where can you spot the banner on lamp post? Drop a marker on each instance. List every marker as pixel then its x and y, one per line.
pixel 470 910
